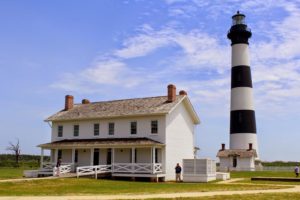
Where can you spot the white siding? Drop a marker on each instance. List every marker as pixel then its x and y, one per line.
pixel 179 139
pixel 66 155
pixel 122 128
pixel 243 164
pixel 122 156
pixel 84 157
pixel 143 155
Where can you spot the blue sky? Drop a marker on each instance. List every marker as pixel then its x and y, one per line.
pixel 109 49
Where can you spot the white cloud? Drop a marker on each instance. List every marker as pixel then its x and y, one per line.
pixel 108 72
pixel 276 76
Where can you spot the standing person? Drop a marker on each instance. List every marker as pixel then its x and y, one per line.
pixel 297 171
pixel 178 173
pixel 58 167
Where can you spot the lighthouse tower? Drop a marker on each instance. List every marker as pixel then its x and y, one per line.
pixel 243 148
pixel 242 114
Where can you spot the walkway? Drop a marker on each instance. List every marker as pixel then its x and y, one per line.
pixel 67 175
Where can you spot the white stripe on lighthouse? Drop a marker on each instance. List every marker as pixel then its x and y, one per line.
pixel 240 55
pixel 241 98
pixel 242 140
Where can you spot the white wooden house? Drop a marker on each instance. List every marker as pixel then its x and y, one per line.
pixel 141 137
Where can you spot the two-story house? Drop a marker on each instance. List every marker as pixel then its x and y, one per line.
pixel 141 137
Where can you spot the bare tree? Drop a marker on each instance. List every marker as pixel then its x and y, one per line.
pixel 16 149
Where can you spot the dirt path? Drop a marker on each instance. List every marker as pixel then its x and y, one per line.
pixel 295 188
pixel 148 196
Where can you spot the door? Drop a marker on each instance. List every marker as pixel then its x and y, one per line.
pixel 234 160
pixel 108 157
pixel 96 156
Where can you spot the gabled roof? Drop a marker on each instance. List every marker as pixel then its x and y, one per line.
pixel 243 153
pixel 101 142
pixel 123 108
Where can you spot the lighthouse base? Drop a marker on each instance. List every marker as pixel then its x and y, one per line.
pixel 237 160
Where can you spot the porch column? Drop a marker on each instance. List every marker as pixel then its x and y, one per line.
pixel 112 158
pixel 55 155
pixel 153 160
pixel 73 159
pixel 42 157
pixel 132 159
pixel 92 157
pixel 163 159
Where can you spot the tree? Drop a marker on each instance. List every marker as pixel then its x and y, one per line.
pixel 16 149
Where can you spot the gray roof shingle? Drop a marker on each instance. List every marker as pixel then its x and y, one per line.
pixel 118 108
pixel 244 153
pixel 101 142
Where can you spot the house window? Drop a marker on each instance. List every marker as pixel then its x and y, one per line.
pixel 96 129
pixel 154 126
pixel 60 131
pixel 133 128
pixel 76 156
pixel 76 130
pixel 111 128
pixel 59 154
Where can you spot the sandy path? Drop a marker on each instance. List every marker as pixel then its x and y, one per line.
pixel 148 196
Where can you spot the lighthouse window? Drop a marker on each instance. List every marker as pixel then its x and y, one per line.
pixel 239 19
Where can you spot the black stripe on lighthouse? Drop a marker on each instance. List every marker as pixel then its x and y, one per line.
pixel 242 121
pixel 241 76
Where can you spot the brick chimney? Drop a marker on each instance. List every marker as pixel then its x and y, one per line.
pixel 85 101
pixel 250 146
pixel 223 147
pixel 69 102
pixel 171 93
pixel 182 92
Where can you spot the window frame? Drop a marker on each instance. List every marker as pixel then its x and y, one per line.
pixel 111 129
pixel 96 130
pixel 132 128
pixel 154 128
pixel 76 130
pixel 60 132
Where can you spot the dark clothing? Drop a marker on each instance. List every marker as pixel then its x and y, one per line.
pixel 177 169
pixel 58 163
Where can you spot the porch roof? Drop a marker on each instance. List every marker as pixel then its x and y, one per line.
pixel 243 153
pixel 101 142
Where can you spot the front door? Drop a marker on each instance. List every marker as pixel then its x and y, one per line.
pixel 234 160
pixel 96 156
pixel 108 157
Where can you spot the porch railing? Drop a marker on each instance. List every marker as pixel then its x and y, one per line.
pixel 92 170
pixel 50 169
pixel 147 168
pixel 143 168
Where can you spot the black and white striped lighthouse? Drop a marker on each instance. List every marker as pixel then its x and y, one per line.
pixel 242 114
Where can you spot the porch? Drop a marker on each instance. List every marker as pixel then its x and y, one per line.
pixel 128 160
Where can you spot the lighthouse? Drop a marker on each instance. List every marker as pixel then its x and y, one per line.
pixel 243 148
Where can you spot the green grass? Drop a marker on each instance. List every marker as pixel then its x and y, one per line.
pixel 277 196
pixel 84 186
pixel 10 173
pixel 261 173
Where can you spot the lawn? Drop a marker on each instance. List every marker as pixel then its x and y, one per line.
pixel 84 186
pixel 277 196
pixel 9 173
